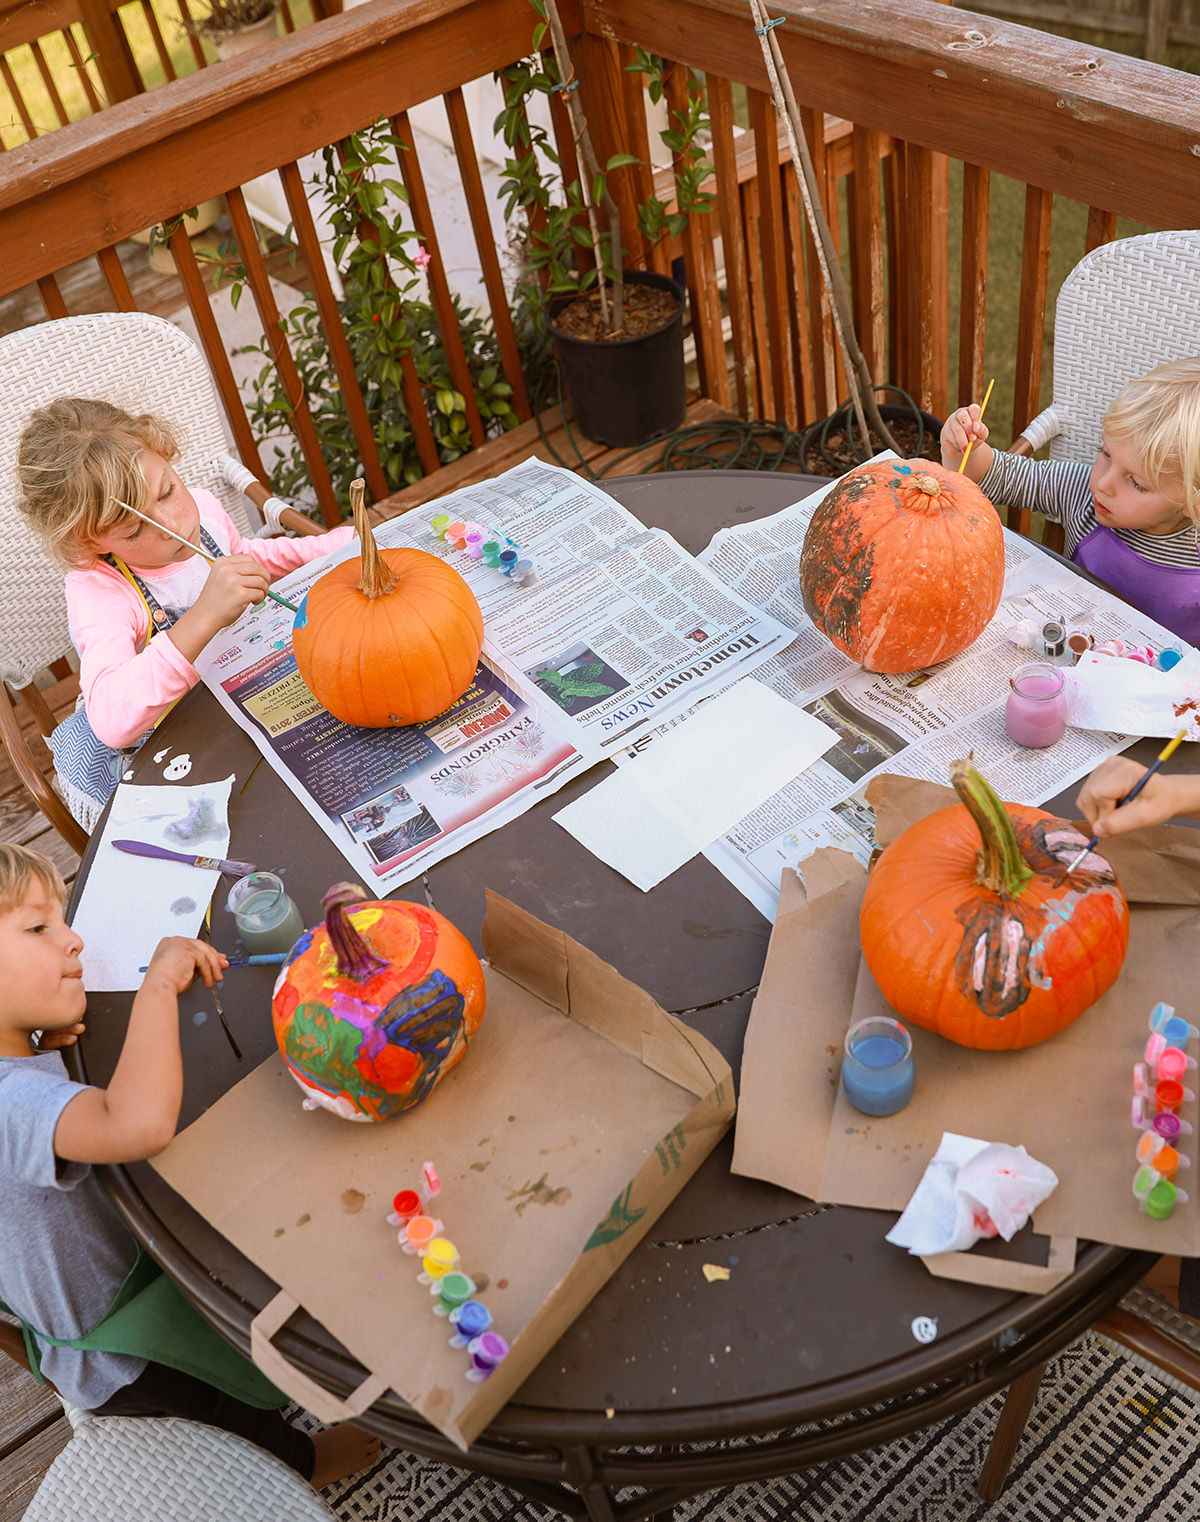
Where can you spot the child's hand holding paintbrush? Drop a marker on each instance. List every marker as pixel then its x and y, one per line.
pixel 1160 797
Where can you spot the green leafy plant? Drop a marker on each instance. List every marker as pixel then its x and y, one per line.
pixel 386 320
pixel 565 250
pixel 566 686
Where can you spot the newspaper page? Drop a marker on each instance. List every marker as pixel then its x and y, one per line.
pixel 621 628
pixel 915 723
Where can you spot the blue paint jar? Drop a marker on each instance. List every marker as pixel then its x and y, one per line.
pixel 878 1071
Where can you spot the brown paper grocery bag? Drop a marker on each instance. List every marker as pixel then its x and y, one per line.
pixel 579 1112
pixel 1067 1101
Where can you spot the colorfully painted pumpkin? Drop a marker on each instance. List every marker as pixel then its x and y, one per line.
pixel 902 565
pixel 391 639
pixel 376 1005
pixel 994 947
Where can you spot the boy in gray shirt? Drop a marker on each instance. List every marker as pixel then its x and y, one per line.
pixel 69 1269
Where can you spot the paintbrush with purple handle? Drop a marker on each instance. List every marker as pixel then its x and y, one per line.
pixel 160 853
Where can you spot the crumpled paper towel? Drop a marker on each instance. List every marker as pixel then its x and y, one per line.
pixel 971 1189
pixel 1111 693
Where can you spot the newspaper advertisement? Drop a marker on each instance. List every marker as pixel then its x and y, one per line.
pixel 621 628
pixel 914 723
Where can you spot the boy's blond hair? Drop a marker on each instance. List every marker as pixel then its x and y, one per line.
pixel 1159 414
pixel 18 867
pixel 74 457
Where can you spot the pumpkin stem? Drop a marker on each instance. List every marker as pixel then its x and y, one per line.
pixel 377 579
pixel 930 485
pixel 355 959
pixel 1002 868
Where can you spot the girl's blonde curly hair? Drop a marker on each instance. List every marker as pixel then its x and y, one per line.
pixel 18 867
pixel 1159 415
pixel 75 456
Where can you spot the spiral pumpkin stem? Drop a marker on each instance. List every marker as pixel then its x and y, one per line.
pixel 1002 868
pixel 355 959
pixel 377 578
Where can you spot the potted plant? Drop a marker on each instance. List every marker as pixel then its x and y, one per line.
pixel 617 332
pixel 235 27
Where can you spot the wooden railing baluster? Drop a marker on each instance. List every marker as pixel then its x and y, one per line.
pixel 825 370
pixel 973 298
pixel 799 326
pixel 268 313
pixel 775 292
pixel 1035 265
pixel 309 244
pixel 602 91
pixel 866 226
pixel 729 210
pixel 1101 228
pixel 636 140
pixel 43 68
pixel 18 99
pixel 185 16
pixel 82 69
pixel 114 275
pixel 752 223
pixel 52 297
pixel 493 278
pixel 214 350
pixel 704 300
pixel 439 287
pixel 156 36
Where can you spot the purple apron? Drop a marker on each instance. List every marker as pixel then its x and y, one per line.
pixel 1168 593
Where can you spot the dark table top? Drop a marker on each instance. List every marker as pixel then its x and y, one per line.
pixel 817 1316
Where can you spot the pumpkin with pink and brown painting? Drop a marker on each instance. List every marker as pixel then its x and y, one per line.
pixel 972 927
pixel 902 565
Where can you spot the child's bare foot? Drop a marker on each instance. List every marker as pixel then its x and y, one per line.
pixel 341 1452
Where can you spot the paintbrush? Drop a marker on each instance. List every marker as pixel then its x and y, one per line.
pixel 160 853
pixel 195 548
pixel 962 464
pixel 1167 752
pixel 259 959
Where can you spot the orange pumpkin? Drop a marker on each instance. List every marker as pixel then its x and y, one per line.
pixel 393 638
pixel 994 948
pixel 902 565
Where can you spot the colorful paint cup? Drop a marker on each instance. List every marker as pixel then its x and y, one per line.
pixel 452 1289
pixel 1162 1199
pixel 470 1320
pixel 420 1232
pixel 489 1349
pixel 405 1205
pixel 1172 1063
pixel 440 524
pixel 440 1257
pixel 1168 1096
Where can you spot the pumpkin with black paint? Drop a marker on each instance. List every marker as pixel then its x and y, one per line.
pixel 375 1006
pixel 972 928
pixel 902 565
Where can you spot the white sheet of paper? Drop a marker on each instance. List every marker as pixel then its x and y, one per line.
pixel 696 782
pixel 130 902
pixel 1111 692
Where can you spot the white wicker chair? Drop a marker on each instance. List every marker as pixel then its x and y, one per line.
pixel 138 362
pixel 162 1469
pixel 1125 308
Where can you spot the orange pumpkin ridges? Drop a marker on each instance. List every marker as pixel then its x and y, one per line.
pixel 392 638
pixel 993 948
pixel 902 565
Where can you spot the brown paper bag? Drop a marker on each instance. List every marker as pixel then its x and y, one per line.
pixel 1067 1101
pixel 579 1112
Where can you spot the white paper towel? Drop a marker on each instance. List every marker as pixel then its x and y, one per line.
pixel 971 1189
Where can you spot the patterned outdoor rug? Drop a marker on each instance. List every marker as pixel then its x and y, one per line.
pixel 1108 1441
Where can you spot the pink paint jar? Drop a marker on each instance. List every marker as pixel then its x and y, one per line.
pixel 1035 715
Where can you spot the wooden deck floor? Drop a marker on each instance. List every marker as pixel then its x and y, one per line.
pixel 33 1429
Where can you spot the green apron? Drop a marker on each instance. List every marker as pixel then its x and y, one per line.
pixel 150 1319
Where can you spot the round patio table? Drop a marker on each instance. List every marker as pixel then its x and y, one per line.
pixel 665 1382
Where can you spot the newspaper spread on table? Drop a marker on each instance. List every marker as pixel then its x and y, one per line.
pixel 621 629
pixel 913 724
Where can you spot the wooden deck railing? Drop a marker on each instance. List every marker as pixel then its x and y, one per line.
pixel 915 85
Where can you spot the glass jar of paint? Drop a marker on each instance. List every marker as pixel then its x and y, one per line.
pixel 1035 715
pixel 878 1072
pixel 267 919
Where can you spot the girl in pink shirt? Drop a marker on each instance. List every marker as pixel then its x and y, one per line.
pixel 141 606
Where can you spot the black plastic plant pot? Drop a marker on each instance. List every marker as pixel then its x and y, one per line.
pixel 625 391
pixel 889 412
